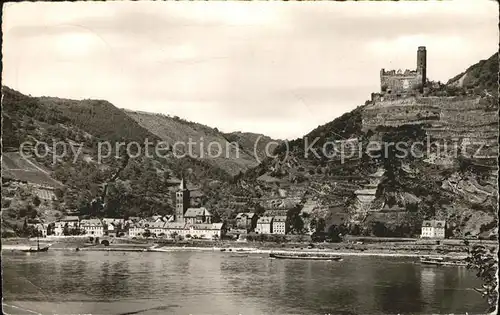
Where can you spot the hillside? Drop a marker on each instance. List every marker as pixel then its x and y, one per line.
pixel 330 175
pixel 225 151
pixel 257 145
pixel 139 185
pixel 327 178
pixel 479 77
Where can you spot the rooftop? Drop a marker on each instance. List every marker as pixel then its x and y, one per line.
pixel 280 218
pixel 265 220
pixel 194 212
pixel 434 223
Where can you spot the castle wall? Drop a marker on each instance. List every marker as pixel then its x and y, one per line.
pixel 400 83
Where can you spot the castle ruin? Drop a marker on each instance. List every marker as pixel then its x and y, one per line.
pixel 394 84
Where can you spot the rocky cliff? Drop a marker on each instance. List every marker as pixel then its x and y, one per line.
pixel 450 137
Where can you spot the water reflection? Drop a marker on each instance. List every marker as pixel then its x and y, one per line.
pixel 198 282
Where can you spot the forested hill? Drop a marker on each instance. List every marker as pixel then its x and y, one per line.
pixel 479 77
pixel 140 185
pixel 234 152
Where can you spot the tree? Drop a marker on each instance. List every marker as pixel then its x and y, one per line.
pixel 484 261
pixel 320 225
pixel 334 234
pixel 295 220
pixel 36 201
pixel 379 229
pixel 66 230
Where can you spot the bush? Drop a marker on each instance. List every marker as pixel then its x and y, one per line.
pixel 484 262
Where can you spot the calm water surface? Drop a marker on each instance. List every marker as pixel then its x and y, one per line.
pixel 223 283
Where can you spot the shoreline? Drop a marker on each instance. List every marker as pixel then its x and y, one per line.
pixel 251 251
pixel 381 249
pixel 241 250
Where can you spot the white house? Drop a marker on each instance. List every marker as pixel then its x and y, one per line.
pixel 42 229
pixel 433 229
pixel 70 222
pixel 157 228
pixel 92 227
pixel 115 221
pixel 280 225
pixel 135 230
pixel 264 225
pixel 59 228
pixel 205 230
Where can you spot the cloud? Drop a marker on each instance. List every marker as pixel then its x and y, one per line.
pixel 269 67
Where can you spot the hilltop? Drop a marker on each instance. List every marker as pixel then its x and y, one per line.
pixel 135 185
pixel 479 77
pixel 233 153
pixel 321 180
pixel 386 195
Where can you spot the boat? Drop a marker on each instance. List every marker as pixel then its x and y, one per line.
pixel 238 255
pixel 35 249
pixel 442 261
pixel 26 248
pixel 305 257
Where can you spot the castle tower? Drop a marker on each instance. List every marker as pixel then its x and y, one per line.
pixel 422 63
pixel 182 200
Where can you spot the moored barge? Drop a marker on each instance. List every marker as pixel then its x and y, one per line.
pixel 303 256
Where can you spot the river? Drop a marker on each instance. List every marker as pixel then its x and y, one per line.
pixel 190 282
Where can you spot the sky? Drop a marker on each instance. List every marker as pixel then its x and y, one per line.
pixel 277 68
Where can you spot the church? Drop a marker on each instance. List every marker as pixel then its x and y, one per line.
pixel 184 213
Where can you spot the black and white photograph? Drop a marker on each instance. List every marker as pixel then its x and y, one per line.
pixel 250 157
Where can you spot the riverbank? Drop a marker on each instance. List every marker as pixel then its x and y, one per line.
pixel 389 249
pixel 312 252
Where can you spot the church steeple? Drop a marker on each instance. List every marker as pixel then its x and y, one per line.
pixel 182 201
pixel 182 186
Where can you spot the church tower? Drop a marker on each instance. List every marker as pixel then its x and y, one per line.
pixel 182 200
pixel 422 64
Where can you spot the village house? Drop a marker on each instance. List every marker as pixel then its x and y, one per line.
pixel 246 221
pixel 157 228
pixel 111 229
pixel 72 220
pixel 113 226
pixel 59 228
pixel 280 225
pixel 41 229
pixel 165 219
pixel 264 225
pixel 173 229
pixel 92 227
pixel 134 219
pixel 433 229
pixel 136 230
pixel 68 222
pixel 205 231
pixel 197 216
pixel 115 221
